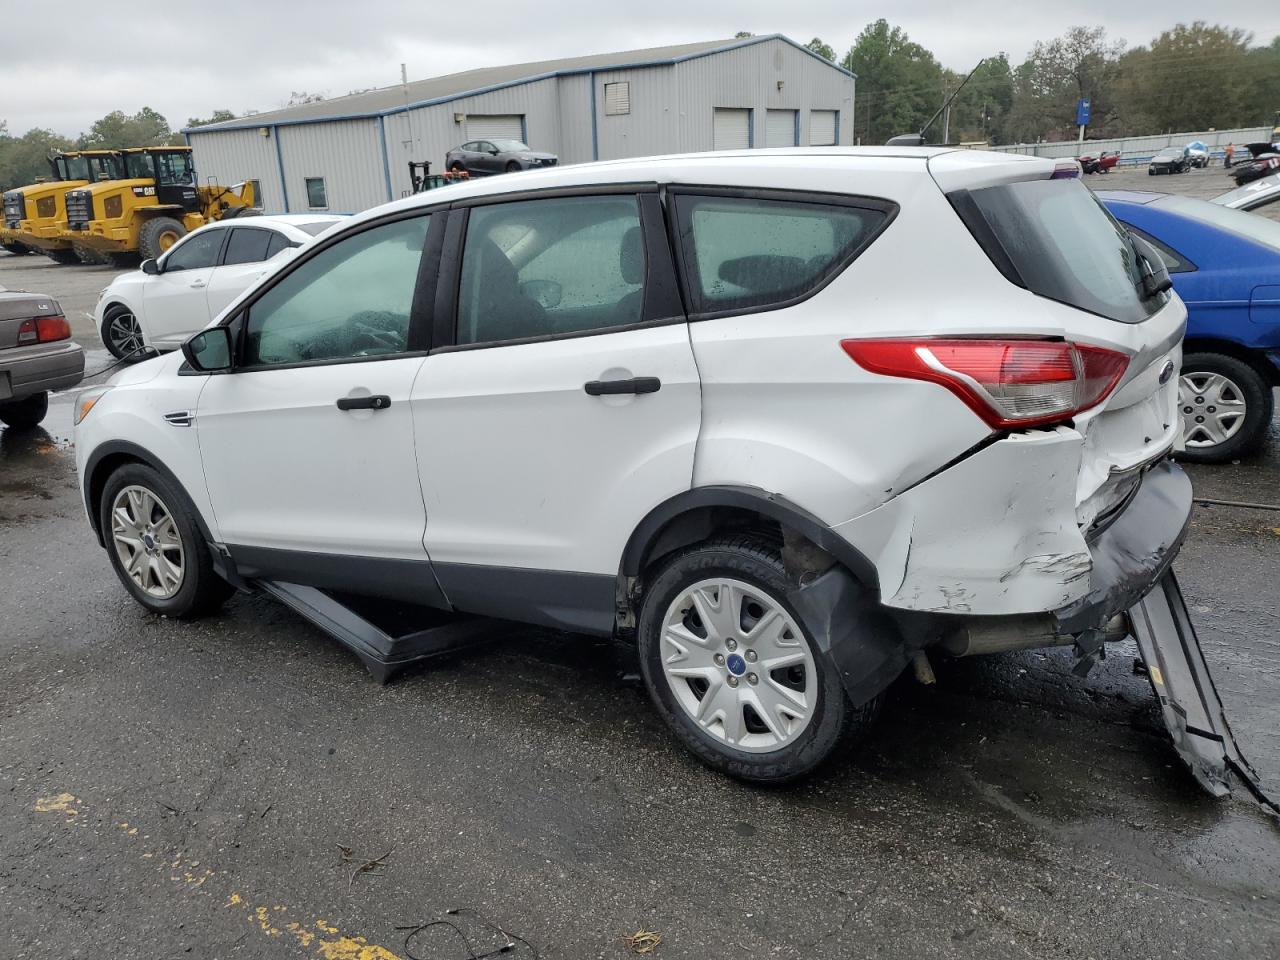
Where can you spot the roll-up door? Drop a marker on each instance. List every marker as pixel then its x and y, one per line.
pixel 822 128
pixel 780 128
pixel 731 129
pixel 496 127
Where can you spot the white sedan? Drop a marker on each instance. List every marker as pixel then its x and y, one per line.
pixel 169 299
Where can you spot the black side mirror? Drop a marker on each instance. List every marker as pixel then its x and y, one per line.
pixel 493 151
pixel 209 351
pixel 150 267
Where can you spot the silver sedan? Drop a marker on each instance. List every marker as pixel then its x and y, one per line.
pixel 496 156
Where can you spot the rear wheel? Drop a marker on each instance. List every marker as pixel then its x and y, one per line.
pixel 1226 408
pixel 157 235
pixel 121 332
pixel 457 166
pixel 24 414
pixel 89 255
pixel 156 547
pixel 731 669
pixel 512 166
pixel 17 249
pixel 62 256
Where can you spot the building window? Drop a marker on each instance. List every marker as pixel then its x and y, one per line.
pixel 316 197
pixel 617 98
pixel 257 194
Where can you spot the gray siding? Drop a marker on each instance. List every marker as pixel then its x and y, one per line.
pixel 671 112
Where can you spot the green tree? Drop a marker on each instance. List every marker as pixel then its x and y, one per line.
pixel 1080 63
pixel 146 128
pixel 743 35
pixel 822 49
pixel 25 159
pixel 900 84
pixel 218 116
pixel 981 110
pixel 1191 78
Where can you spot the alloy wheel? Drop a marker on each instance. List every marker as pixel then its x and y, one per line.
pixel 124 334
pixel 147 542
pixel 1213 408
pixel 739 665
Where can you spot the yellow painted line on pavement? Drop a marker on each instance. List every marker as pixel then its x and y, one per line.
pixel 314 937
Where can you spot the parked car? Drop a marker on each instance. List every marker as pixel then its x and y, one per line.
pixel 1198 154
pixel 496 156
pixel 1169 160
pixel 37 355
pixel 1099 163
pixel 1252 195
pixel 170 298
pixel 1264 160
pixel 490 399
pixel 1225 265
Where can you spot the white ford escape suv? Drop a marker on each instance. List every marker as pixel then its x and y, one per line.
pixel 788 419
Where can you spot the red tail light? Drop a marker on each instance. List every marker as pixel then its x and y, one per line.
pixel 1008 383
pixel 43 330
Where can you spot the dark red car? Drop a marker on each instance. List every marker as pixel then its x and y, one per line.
pixel 1099 164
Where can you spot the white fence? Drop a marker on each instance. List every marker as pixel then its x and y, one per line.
pixel 1141 149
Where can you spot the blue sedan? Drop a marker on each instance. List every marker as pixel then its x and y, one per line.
pixel 1225 264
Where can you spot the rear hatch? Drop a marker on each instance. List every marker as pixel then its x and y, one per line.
pixel 1044 230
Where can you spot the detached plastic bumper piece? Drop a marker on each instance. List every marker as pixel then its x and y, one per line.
pixel 1188 699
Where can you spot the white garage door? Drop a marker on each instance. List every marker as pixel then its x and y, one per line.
pixel 780 128
pixel 730 129
pixel 822 128
pixel 504 127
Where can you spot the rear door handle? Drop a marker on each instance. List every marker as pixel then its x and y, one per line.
pixel 602 388
pixel 377 402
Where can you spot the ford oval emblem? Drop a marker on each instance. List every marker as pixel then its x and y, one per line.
pixel 1166 372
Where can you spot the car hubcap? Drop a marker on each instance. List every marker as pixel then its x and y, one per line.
pixel 1213 409
pixel 147 542
pixel 739 665
pixel 124 333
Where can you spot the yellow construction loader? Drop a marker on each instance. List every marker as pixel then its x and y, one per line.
pixel 152 207
pixel 36 215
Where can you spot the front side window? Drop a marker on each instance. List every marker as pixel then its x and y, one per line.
pixel 174 169
pixel 350 300
pixel 73 168
pixel 317 197
pixel 248 245
pixel 748 253
pixel 140 166
pixel 545 267
pixel 195 252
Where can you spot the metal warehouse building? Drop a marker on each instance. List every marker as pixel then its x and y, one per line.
pixel 352 152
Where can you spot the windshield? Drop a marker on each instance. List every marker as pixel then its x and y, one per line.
pixel 1172 153
pixel 1057 240
pixel 175 168
pixel 73 168
pixel 1256 194
pixel 1251 226
pixel 103 167
pixel 315 227
pixel 510 146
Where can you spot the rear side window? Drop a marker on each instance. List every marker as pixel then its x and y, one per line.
pixel 1057 240
pixel 748 253
pixel 247 246
pixel 277 243
pixel 1174 261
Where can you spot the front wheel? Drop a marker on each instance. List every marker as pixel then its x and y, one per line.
pixel 156 547
pixel 157 235
pixel 24 414
pixel 17 249
pixel 731 669
pixel 121 332
pixel 1226 408
pixel 512 166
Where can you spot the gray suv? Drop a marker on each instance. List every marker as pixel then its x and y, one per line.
pixel 496 156
pixel 36 356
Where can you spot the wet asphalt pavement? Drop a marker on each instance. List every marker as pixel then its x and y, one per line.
pixel 212 789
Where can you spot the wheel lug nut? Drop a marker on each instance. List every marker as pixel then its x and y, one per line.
pixel 1187 409
pixel 719 659
pixel 752 678
pixel 1212 409
pixel 1199 399
pixel 731 644
pixel 1199 419
pixel 751 656
pixel 733 681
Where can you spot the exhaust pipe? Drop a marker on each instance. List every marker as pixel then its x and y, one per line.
pixel 981 635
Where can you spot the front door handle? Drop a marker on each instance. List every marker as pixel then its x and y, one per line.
pixel 602 388
pixel 377 402
pixel 196 284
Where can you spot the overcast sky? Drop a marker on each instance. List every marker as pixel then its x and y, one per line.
pixel 187 59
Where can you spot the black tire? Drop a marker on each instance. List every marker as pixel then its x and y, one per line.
pixel 157 235
pixel 116 320
pixel 65 257
pixel 201 591
pixel 457 167
pixel 17 249
pixel 756 562
pixel 88 255
pixel 513 166
pixel 24 414
pixel 235 213
pixel 1250 386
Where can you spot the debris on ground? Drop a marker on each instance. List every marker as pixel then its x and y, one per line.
pixel 642 941
pixel 367 864
pixel 474 951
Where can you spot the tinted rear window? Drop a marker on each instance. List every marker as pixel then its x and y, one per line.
pixel 750 253
pixel 1057 240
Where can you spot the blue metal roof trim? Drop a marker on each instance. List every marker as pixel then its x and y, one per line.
pixel 533 78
